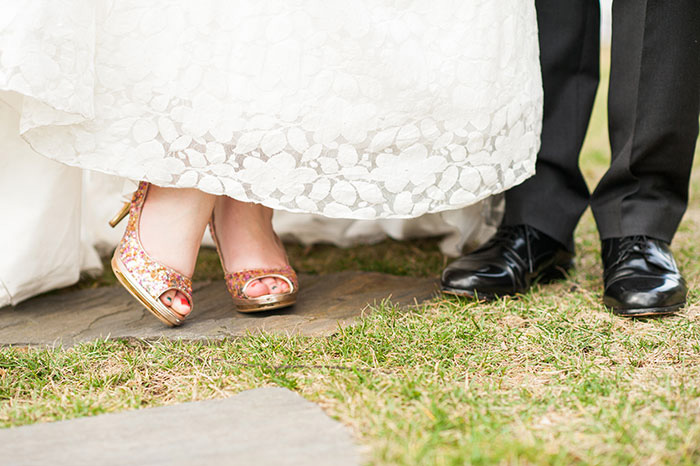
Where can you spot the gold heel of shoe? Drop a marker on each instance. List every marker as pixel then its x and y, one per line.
pixel 120 215
pixel 236 282
pixel 142 276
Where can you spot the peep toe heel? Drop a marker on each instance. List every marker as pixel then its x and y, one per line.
pixel 143 277
pixel 237 282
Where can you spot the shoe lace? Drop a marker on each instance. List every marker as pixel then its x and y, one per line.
pixel 631 245
pixel 507 233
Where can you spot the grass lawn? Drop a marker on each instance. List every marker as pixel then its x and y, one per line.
pixel 547 378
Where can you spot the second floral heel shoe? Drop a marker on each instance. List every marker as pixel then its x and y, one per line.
pixel 142 276
pixel 237 282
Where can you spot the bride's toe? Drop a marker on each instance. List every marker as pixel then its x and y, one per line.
pixel 256 288
pixel 167 297
pixel 176 301
pixel 181 304
pixel 271 284
pixel 275 285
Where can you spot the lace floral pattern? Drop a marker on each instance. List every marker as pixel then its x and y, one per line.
pixel 362 109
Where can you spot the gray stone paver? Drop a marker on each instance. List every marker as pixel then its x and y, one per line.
pixel 326 302
pixel 265 426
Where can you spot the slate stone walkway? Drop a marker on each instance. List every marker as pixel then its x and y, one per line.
pixel 265 426
pixel 325 303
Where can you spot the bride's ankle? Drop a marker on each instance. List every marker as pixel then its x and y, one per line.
pixel 172 226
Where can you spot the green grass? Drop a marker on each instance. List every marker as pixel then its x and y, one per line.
pixel 550 377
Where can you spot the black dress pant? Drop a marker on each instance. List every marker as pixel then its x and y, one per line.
pixel 653 107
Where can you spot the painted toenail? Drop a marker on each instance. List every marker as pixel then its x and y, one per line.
pixel 184 302
pixel 169 299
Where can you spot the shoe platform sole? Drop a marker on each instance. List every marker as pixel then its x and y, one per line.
pixel 265 303
pixel 646 312
pixel 158 309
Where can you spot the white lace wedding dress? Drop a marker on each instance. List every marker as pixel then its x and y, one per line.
pixel 381 109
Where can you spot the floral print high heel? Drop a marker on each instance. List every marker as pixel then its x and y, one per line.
pixel 143 277
pixel 237 282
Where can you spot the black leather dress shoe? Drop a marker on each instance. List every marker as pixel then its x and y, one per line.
pixel 641 277
pixel 511 262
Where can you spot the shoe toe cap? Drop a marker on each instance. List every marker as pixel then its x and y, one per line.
pixel 482 278
pixel 651 292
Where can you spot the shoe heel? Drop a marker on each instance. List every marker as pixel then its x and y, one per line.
pixel 123 212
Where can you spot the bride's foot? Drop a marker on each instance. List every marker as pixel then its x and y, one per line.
pixel 247 241
pixel 171 229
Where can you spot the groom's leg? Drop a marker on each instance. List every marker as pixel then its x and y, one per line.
pixel 653 118
pixel 554 199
